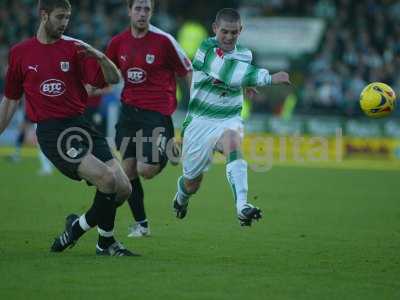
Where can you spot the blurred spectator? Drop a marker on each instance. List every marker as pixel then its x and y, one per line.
pixel 361 45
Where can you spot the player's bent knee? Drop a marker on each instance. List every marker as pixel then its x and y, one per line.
pixel 123 193
pixel 107 181
pixel 193 186
pixel 131 173
pixel 230 141
pixel 124 190
pixel 192 189
pixel 148 171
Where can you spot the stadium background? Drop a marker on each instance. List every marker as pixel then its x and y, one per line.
pixel 325 176
pixel 331 48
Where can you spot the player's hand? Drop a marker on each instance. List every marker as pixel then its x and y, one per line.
pixel 281 77
pixel 88 50
pixel 251 92
pixel 176 152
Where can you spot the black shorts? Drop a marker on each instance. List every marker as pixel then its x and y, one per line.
pixel 144 135
pixel 65 142
pixel 94 115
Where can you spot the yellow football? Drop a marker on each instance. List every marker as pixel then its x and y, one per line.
pixel 377 100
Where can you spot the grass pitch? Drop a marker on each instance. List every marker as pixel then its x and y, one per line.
pixel 326 234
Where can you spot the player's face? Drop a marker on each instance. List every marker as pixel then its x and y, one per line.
pixel 227 34
pixel 140 13
pixel 56 22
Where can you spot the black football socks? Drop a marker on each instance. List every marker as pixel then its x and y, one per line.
pixel 136 202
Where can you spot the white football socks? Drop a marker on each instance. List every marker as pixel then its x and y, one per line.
pixel 236 173
pixel 45 164
pixel 182 196
pixel 83 223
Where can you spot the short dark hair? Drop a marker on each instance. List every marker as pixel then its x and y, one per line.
pixel 229 15
pixel 49 5
pixel 130 3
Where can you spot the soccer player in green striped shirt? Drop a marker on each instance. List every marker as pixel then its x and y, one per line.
pixel 222 69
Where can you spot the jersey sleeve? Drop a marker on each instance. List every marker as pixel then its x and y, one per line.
pixel 177 58
pixel 92 73
pixel 14 78
pixel 111 52
pixel 235 73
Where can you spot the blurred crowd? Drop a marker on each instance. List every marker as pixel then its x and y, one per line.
pixel 361 43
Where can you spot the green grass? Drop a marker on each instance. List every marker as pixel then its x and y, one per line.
pixel 326 234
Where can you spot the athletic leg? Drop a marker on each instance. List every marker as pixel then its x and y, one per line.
pixel 236 172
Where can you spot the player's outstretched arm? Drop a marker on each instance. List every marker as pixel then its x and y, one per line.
pixel 232 72
pixel 8 108
pixel 212 60
pixel 110 71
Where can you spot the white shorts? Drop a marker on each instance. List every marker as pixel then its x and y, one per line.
pixel 199 141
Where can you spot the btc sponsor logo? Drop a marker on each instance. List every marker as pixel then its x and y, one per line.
pixel 136 75
pixel 52 88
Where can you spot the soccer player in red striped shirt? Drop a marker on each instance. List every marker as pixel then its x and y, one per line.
pixel 149 60
pixel 51 69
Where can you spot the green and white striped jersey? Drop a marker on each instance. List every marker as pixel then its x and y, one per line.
pixel 218 81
